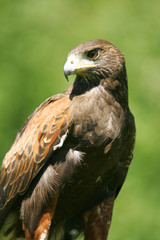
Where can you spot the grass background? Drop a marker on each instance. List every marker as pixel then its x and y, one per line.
pixel 35 38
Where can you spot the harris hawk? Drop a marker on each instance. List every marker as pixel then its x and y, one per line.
pixel 70 159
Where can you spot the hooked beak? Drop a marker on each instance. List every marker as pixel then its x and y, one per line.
pixel 67 73
pixel 76 65
pixel 69 68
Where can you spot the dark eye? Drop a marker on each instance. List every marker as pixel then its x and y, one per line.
pixel 93 54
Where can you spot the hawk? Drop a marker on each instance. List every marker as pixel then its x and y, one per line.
pixel 70 159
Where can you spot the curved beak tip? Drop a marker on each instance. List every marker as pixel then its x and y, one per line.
pixel 69 69
pixel 66 73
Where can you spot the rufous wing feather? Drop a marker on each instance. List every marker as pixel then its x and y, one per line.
pixel 43 133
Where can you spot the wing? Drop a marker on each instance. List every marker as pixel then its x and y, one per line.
pixel 44 132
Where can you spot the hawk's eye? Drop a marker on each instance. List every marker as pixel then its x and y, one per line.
pixel 93 54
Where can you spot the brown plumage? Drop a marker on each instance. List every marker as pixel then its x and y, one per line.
pixel 70 159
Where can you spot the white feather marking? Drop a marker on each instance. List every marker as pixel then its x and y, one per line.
pixel 46 141
pixel 60 144
pixel 44 235
pixel 75 156
pixel 110 125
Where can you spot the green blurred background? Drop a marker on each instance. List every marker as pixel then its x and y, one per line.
pixel 35 38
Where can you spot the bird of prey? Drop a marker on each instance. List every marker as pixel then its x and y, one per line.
pixel 70 159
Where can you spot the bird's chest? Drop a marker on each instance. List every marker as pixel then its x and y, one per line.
pixel 95 120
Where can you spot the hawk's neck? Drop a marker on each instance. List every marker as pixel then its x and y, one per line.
pixel 113 87
pixel 81 86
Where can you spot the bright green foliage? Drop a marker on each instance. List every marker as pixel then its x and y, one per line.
pixel 35 38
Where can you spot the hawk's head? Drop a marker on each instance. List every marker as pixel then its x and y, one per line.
pixel 98 62
pixel 97 58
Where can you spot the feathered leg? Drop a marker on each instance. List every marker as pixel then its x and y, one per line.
pixel 97 220
pixel 37 209
pixel 42 231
